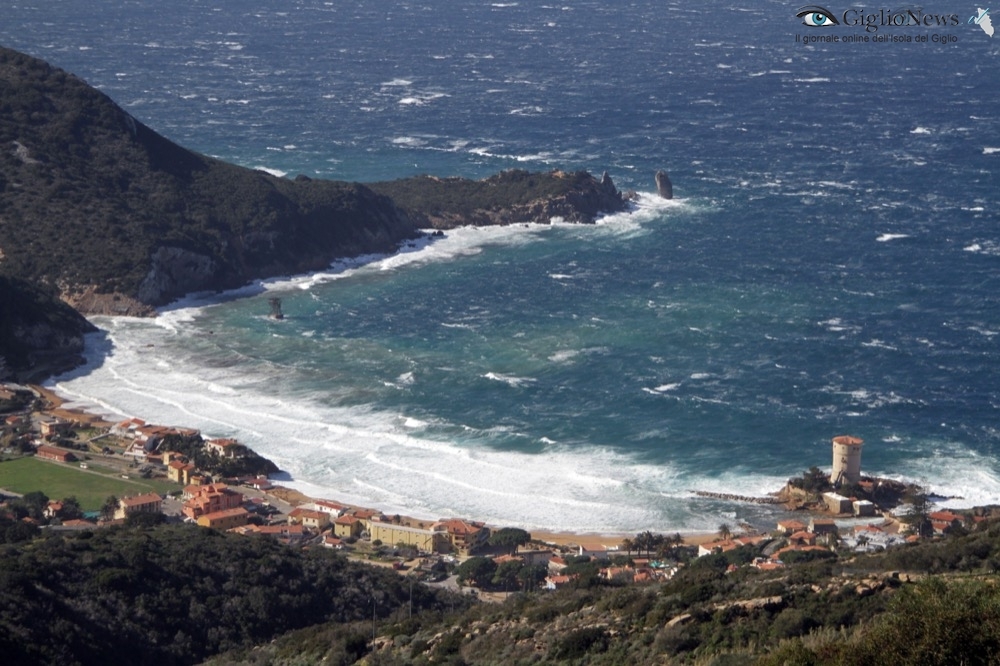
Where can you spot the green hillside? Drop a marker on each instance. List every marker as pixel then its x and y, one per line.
pixel 38 332
pixel 93 200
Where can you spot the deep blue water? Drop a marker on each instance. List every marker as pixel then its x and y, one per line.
pixel 830 266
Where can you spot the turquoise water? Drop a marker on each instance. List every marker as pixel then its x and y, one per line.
pixel 830 266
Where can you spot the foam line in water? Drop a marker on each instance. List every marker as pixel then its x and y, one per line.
pixel 341 452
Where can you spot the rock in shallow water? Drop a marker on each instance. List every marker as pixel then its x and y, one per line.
pixel 663 185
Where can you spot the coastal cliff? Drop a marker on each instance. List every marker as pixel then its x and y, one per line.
pixel 38 333
pixel 116 219
pixel 119 219
pixel 510 197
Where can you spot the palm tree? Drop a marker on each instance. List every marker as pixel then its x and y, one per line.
pixel 725 531
pixel 628 544
pixel 646 541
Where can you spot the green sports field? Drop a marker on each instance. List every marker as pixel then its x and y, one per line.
pixel 58 480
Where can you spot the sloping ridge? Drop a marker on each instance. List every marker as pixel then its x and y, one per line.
pixel 117 218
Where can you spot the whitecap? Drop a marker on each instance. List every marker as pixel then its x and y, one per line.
pixel 884 238
pixel 563 355
pixel 663 388
pixel 510 380
pixel 274 172
pixel 920 130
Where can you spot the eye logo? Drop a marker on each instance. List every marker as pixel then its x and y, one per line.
pixel 815 16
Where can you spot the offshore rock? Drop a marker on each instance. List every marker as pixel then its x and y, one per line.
pixel 663 185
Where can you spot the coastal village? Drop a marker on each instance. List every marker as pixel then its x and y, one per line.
pixel 839 512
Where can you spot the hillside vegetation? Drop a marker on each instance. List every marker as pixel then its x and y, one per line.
pixel 93 201
pixel 176 594
pixel 857 611
pixel 117 218
pixel 181 594
pixel 510 197
pixel 38 332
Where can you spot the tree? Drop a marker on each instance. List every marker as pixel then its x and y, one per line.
pixel 71 508
pixel 510 538
pixel 629 545
pixel 478 570
pixel 109 507
pixel 646 542
pixel 669 545
pixel 145 519
pixel 35 503
pixel 531 576
pixel 506 574
pixel 918 515
pixel 725 531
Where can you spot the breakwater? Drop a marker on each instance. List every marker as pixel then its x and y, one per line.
pixel 737 498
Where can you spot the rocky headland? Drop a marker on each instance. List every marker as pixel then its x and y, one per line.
pixel 100 210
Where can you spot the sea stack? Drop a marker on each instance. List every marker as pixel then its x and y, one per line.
pixel 663 185
pixel 276 312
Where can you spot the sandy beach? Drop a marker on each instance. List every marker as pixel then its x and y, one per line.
pixel 53 406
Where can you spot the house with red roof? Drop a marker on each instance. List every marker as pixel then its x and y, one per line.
pixel 787 527
pixel 180 472
pixel 315 520
pixel 463 536
pixel 224 520
pixel 802 538
pixel 210 498
pixel 348 526
pixel 147 503
pixel 46 452
pixel 555 581
pixel 225 447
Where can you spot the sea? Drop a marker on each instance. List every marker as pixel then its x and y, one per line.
pixel 830 264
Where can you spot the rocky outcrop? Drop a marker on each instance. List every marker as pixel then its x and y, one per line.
pixel 88 300
pixel 663 185
pixel 174 272
pixel 510 197
pixel 39 335
pixel 113 213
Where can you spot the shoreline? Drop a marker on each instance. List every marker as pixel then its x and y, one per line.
pixel 431 247
pixel 53 404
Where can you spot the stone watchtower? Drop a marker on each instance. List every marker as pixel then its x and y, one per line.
pixel 846 460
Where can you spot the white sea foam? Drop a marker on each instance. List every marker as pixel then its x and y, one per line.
pixel 991 248
pixel 274 172
pixel 380 459
pixel 663 388
pixel 920 130
pixel 990 151
pixel 510 380
pixel 885 238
